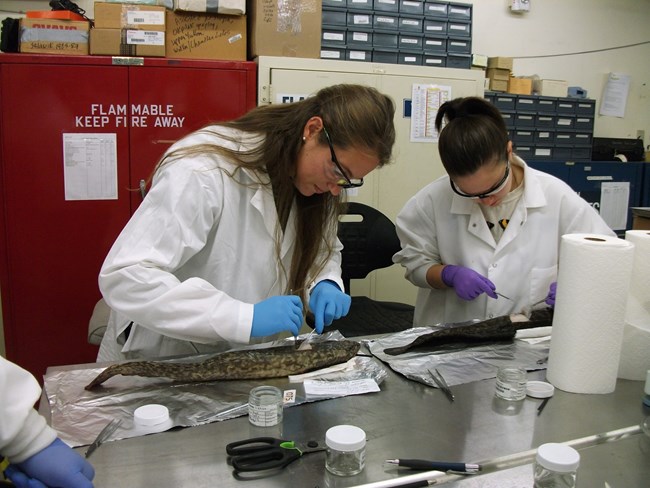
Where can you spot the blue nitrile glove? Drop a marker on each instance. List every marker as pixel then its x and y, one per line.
pixel 467 283
pixel 327 302
pixel 277 314
pixel 550 298
pixel 55 466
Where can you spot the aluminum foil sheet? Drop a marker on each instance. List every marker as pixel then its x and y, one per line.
pixel 460 363
pixel 79 415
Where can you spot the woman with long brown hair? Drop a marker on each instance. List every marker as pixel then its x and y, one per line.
pixel 236 239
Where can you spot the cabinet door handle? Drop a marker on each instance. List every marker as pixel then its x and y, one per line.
pixel 143 188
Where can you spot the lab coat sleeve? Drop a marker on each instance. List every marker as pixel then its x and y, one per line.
pixel 580 217
pixel 332 268
pixel 23 432
pixel 416 229
pixel 171 226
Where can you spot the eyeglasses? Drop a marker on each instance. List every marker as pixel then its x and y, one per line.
pixel 492 191
pixel 344 181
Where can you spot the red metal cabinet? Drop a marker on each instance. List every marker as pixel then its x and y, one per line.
pixel 51 248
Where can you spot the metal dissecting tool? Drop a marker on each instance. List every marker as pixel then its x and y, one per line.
pixel 442 384
pixel 103 436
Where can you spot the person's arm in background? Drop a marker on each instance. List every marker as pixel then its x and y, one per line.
pixel 37 456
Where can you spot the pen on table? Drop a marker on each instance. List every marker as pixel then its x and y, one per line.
pixel 437 465
pixel 542 405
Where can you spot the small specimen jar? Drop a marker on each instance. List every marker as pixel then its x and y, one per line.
pixel 511 384
pixel 556 466
pixel 346 450
pixel 265 406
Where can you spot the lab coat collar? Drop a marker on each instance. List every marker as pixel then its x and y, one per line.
pixel 263 201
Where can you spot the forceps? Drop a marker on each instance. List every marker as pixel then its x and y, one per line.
pixel 442 384
pixel 103 436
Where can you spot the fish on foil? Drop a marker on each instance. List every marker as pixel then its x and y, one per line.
pixel 501 328
pixel 272 362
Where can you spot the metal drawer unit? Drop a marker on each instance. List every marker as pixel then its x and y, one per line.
pixel 425 32
pixel 547 128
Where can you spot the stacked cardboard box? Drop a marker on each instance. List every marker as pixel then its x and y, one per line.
pixel 54 36
pixel 128 30
pixel 498 73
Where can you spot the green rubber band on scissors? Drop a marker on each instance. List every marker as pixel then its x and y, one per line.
pixel 290 445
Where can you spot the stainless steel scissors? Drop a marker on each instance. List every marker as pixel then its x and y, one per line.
pixel 264 453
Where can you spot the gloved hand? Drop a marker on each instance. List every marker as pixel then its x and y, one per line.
pixel 276 314
pixel 467 283
pixel 56 465
pixel 550 298
pixel 327 302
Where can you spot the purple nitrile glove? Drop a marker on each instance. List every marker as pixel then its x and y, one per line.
pixel 550 298
pixel 467 283
pixel 327 302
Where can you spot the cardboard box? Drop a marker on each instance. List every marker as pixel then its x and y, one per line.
pixel 498 85
pixel 641 218
pixel 479 60
pixel 226 7
pixel 551 88
pixel 127 42
pixel 290 28
pixel 54 36
pixel 129 16
pixel 520 86
pixel 497 74
pixel 206 36
pixel 500 62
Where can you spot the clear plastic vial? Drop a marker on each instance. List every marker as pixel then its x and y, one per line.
pixel 346 450
pixel 556 466
pixel 265 406
pixel 511 383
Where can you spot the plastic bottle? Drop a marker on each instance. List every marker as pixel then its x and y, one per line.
pixel 346 450
pixel 556 466
pixel 511 384
pixel 265 405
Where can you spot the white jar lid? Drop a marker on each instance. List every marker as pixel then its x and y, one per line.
pixel 558 457
pixel 539 389
pixel 152 414
pixel 345 438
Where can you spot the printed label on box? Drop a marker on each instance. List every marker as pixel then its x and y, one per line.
pixel 149 38
pixel 145 17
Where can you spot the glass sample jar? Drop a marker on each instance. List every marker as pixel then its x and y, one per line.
pixel 346 450
pixel 511 383
pixel 556 466
pixel 265 405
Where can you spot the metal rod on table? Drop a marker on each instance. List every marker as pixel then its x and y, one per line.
pixel 504 462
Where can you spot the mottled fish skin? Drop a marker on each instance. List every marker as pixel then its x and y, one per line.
pixel 492 330
pixel 273 362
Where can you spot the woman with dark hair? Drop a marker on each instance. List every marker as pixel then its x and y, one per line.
pixel 236 239
pixel 491 225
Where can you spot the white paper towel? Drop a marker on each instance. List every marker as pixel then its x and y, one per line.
pixel 635 350
pixel 592 288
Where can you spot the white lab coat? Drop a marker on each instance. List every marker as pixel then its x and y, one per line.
pixel 23 432
pixel 436 226
pixel 195 257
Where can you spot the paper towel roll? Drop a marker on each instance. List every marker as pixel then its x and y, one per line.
pixel 635 350
pixel 592 287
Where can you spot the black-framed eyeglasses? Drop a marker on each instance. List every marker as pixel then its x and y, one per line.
pixel 344 181
pixel 492 191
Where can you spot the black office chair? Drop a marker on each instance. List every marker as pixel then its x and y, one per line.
pixel 369 242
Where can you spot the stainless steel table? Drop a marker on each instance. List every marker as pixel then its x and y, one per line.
pixel 405 420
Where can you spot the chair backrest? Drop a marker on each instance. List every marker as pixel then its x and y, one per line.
pixel 369 241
